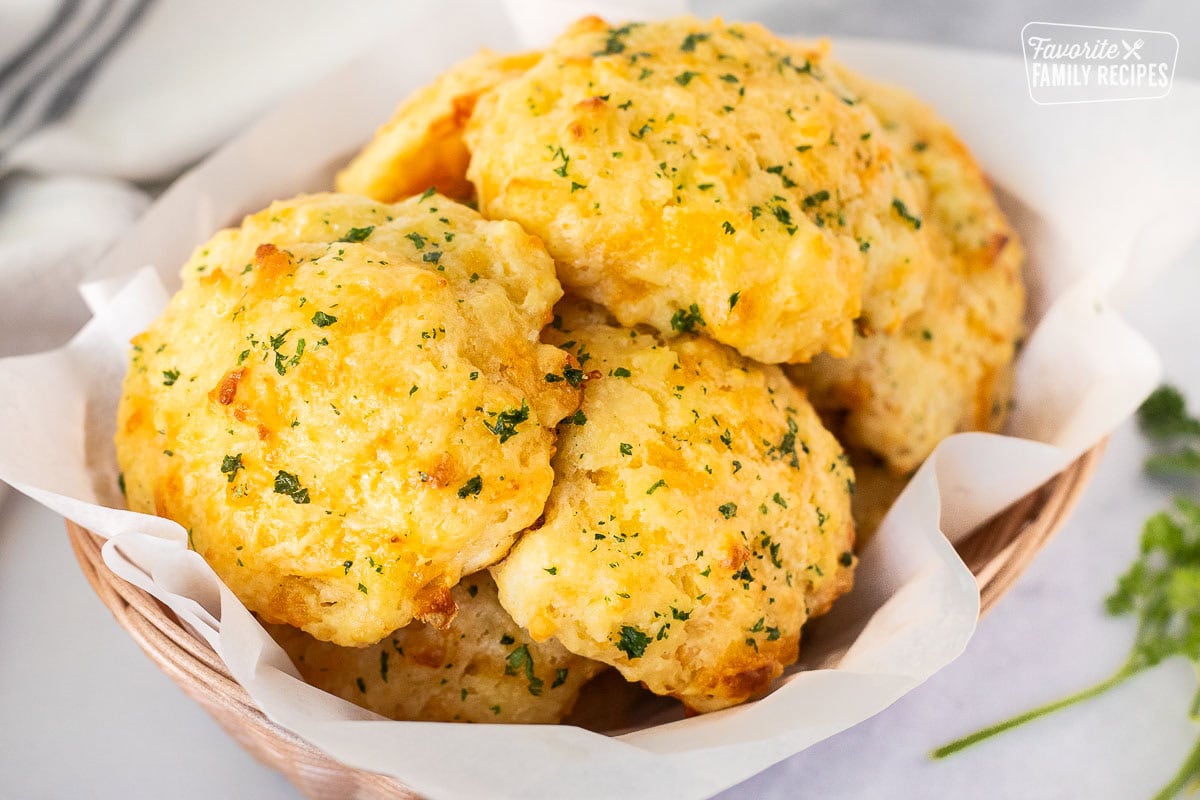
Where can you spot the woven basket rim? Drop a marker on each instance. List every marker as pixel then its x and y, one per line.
pixel 997 552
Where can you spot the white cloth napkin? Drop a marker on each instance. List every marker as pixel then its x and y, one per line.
pixel 100 101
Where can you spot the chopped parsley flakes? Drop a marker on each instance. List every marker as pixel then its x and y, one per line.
pixel 289 484
pixel 230 466
pixel 520 660
pixel 355 235
pixel 471 488
pixel 632 642
pixel 507 421
pixel 905 215
pixel 686 321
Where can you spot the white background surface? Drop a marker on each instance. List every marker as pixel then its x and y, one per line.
pixel 98 697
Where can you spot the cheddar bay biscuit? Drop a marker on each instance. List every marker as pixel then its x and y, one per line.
pixel 421 145
pixel 700 515
pixel 482 668
pixel 702 176
pixel 949 367
pixel 346 407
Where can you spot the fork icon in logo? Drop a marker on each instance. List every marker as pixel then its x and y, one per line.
pixel 1132 49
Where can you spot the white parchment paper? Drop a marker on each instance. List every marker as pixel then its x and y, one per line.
pixel 1104 195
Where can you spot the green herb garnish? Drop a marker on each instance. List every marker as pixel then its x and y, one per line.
pixel 686 321
pixel 289 484
pixel 1162 588
pixel 520 660
pixel 356 235
pixel 471 488
pixel 230 466
pixel 632 642
pixel 507 421
pixel 905 215
pixel 1164 416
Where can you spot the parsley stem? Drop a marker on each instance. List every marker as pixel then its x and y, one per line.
pixel 1187 774
pixel 1124 673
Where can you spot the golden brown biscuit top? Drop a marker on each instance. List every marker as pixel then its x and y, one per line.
pixel 346 407
pixel 684 163
pixel 700 514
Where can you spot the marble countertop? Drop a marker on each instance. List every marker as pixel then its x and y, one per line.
pixel 72 714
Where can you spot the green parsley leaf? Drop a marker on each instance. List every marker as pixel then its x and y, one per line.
pixel 323 320
pixel 686 321
pixel 471 488
pixel 1164 415
pixel 903 212
pixel 355 235
pixel 633 642
pixel 170 376
pixel 816 198
pixel 507 421
pixel 1182 462
pixel 520 660
pixel 289 484
pixel 230 466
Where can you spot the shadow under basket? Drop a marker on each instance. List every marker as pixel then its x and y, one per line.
pixel 996 553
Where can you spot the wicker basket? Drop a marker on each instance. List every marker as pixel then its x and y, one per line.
pixel 997 553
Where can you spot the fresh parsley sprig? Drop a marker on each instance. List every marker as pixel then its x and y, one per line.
pixel 1162 587
pixel 1164 416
